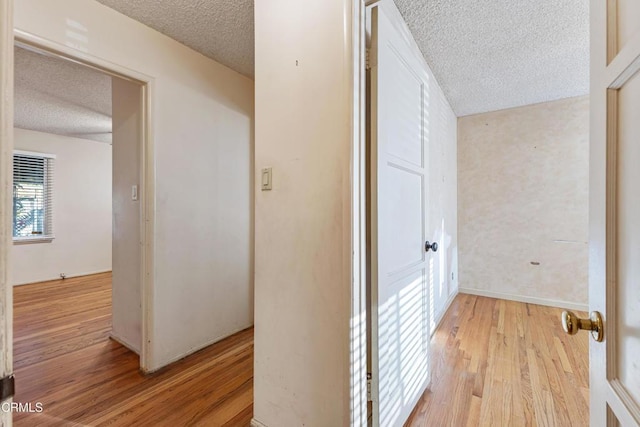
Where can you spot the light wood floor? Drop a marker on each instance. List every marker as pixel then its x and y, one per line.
pixel 503 363
pixel 495 363
pixel 64 359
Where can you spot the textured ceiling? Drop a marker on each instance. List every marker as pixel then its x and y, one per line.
pixel 486 54
pixel 219 29
pixel 60 97
pixel 494 54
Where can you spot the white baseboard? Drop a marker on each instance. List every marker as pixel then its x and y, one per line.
pixel 124 343
pixel 526 299
pixel 91 273
pixel 444 310
pixel 196 349
pixel 256 423
pixel 69 276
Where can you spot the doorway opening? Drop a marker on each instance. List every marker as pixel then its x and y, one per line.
pixel 80 219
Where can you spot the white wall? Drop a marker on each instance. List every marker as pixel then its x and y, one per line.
pixel 442 199
pixel 303 226
pixel 202 136
pixel 523 199
pixel 127 274
pixel 81 210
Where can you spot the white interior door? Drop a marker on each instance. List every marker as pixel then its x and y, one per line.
pixel 399 294
pixel 614 243
pixel 6 194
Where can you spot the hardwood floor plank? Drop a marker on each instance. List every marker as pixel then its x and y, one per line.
pixel 65 359
pixel 504 363
pixel 474 412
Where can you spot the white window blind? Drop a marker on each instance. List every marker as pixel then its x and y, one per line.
pixel 32 196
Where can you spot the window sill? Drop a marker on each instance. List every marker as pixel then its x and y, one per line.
pixel 30 240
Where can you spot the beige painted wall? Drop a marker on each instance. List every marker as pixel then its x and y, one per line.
pixel 81 210
pixel 523 199
pixel 303 225
pixel 127 237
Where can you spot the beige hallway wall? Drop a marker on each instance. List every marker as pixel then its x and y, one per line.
pixel 523 202
pixel 303 225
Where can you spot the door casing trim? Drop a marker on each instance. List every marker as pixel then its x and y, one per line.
pixel 147 167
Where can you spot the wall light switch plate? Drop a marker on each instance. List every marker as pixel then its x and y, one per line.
pixel 266 179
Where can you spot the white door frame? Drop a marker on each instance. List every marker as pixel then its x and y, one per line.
pixel 359 185
pixel 147 166
pixel 6 213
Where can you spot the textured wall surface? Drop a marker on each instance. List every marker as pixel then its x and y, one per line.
pixel 523 201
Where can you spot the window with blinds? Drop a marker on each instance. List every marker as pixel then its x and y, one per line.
pixel 32 196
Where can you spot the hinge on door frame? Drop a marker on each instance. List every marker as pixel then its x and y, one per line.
pixel 369 376
pixel 7 387
pixel 368 59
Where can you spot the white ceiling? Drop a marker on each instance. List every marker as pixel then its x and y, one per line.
pixel 486 54
pixel 494 54
pixel 60 97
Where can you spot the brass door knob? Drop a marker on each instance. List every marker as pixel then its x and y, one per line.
pixel 572 324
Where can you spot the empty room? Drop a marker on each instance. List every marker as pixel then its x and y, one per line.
pixel 340 213
pixel 62 227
